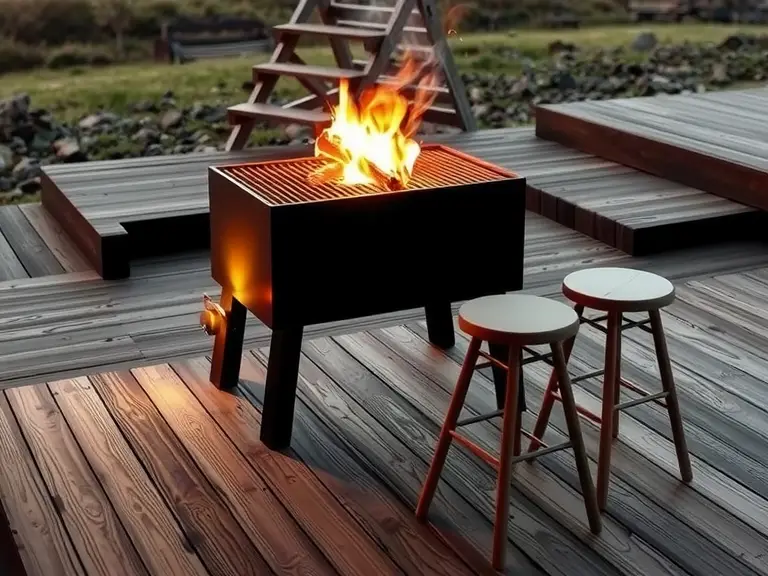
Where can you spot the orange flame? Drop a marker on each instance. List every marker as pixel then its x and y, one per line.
pixel 371 141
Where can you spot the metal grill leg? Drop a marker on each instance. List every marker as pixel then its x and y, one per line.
pixel 509 429
pixel 228 345
pixel 440 324
pixel 673 406
pixel 449 425
pixel 609 402
pixel 617 383
pixel 280 389
pixel 577 440
pixel 549 395
pixel 500 352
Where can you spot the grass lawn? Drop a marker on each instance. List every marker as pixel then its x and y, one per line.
pixel 73 93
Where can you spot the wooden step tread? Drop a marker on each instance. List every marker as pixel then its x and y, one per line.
pixel 382 26
pixel 363 9
pixel 260 111
pixel 348 32
pixel 305 70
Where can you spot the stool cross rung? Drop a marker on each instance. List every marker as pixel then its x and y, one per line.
pixel 587 376
pixel 489 458
pixel 492 361
pixel 642 400
pixel 534 357
pixel 542 452
pixel 627 325
pixel 479 418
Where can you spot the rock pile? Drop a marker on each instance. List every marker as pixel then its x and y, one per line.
pixel 31 138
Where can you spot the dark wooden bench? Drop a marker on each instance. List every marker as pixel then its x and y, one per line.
pixel 187 39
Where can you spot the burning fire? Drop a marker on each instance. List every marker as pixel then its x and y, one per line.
pixel 371 141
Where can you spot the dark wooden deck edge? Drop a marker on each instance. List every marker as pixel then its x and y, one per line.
pixel 707 173
pixel 645 241
pixel 109 254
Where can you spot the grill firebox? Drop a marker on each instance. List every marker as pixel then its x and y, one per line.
pixel 297 254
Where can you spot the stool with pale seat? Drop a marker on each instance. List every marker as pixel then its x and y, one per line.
pixel 618 291
pixel 515 321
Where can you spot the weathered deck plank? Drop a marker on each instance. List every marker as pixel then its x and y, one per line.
pixel 368 411
pixel 714 142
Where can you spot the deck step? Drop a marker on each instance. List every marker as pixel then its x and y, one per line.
pixel 714 134
pixel 304 71
pixel 370 38
pixel 276 114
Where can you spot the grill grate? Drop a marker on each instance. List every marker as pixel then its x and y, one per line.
pixel 285 181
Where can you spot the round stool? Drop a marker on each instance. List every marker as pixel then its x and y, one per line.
pixel 617 291
pixel 516 321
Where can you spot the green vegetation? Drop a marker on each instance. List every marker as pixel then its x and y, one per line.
pixel 74 92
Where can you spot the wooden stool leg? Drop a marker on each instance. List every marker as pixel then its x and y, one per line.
pixel 577 440
pixel 449 425
pixel 549 394
pixel 609 402
pixel 617 383
pixel 673 406
pixel 508 430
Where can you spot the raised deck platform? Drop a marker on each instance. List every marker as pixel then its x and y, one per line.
pixel 121 210
pixel 715 142
pixel 154 472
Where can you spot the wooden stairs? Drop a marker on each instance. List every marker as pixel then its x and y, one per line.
pixel 386 33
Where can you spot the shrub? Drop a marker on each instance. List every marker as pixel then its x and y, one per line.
pixel 52 22
pixel 15 56
pixel 71 55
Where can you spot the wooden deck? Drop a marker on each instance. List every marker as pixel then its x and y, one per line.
pixel 66 320
pixel 118 211
pixel 716 142
pixel 154 472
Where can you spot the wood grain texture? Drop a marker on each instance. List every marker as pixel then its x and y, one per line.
pixel 42 540
pixel 298 489
pixel 222 544
pixel 154 532
pixel 280 540
pixel 392 524
pixel 32 251
pixel 55 238
pixel 11 267
pixel 369 408
pixel 97 534
pixel 712 142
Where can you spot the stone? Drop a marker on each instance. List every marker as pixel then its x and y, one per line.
pixel 6 158
pixel 645 42
pixel 26 168
pixel 91 121
pixel 720 74
pixel 170 119
pixel 30 186
pixel 68 150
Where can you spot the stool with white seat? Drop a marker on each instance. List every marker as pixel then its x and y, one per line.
pixel 617 291
pixel 516 321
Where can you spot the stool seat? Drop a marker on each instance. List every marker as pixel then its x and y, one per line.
pixel 518 319
pixel 618 290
